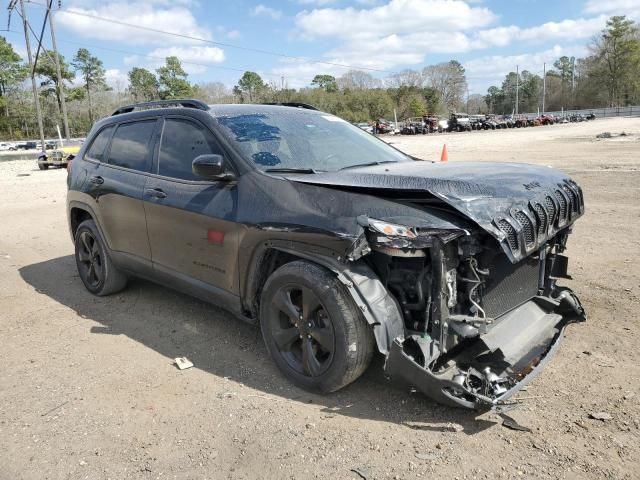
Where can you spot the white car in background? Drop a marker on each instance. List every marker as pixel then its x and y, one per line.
pixel 365 126
pixel 5 146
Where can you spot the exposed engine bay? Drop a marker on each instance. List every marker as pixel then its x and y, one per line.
pixel 477 326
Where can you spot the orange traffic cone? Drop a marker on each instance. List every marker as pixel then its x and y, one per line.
pixel 444 157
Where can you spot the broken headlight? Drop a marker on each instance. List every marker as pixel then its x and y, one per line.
pixel 391 229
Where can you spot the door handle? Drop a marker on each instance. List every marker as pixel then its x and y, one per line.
pixel 155 192
pixel 97 180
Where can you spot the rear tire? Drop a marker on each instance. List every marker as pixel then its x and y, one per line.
pixel 43 166
pixel 97 271
pixel 312 329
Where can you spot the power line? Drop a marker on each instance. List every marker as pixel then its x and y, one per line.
pixel 221 44
pixel 162 58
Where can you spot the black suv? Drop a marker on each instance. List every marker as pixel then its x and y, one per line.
pixel 334 242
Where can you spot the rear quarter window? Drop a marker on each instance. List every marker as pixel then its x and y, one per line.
pixel 130 146
pixel 99 144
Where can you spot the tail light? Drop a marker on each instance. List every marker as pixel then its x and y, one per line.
pixel 69 163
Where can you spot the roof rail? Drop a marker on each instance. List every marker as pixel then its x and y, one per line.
pixel 186 103
pixel 293 104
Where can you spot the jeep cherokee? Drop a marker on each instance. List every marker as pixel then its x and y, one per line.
pixel 336 244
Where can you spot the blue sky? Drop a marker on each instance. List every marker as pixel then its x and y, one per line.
pixel 297 39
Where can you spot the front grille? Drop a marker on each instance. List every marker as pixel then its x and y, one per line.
pixel 509 285
pixel 542 220
pixel 551 208
pixel 562 214
pixel 575 202
pixel 510 232
pixel 527 228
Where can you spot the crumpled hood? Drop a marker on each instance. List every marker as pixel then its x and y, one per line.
pixel 520 205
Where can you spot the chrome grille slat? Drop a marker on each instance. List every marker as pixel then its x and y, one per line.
pixel 573 196
pixel 512 235
pixel 543 222
pixel 562 201
pixel 527 228
pixel 551 208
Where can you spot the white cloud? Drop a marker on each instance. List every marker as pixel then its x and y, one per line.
pixel 317 2
pixel 401 32
pixel 18 48
pixel 490 70
pixel 570 29
pixel 406 32
pixel 393 17
pixel 153 15
pixel 116 79
pixel 299 73
pixel 263 10
pixel 619 7
pixel 194 59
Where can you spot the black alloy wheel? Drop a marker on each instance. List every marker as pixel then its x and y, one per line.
pixel 90 261
pixel 97 272
pixel 312 329
pixel 302 330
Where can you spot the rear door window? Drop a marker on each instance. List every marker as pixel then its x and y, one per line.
pixel 97 148
pixel 182 141
pixel 131 145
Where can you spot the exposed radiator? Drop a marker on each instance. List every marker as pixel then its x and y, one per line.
pixel 509 285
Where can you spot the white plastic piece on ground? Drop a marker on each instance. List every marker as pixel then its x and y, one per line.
pixel 183 363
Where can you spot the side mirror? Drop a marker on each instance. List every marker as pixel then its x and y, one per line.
pixel 212 167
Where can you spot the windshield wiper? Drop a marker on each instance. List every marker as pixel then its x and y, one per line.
pixel 290 170
pixel 370 164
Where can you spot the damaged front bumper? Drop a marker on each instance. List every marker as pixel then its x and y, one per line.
pixel 494 366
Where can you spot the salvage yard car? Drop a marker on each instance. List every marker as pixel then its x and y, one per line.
pixel 59 157
pixel 336 244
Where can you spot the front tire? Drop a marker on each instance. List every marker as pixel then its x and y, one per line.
pixel 312 330
pixel 97 271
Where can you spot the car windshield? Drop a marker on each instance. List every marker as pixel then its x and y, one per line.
pixel 292 138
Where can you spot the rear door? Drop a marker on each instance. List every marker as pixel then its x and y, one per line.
pixel 191 221
pixel 117 182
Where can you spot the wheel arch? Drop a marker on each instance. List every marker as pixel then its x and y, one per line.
pixel 370 296
pixel 79 212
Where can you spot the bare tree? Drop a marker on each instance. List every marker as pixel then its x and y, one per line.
pixel 405 78
pixel 359 80
pixel 449 80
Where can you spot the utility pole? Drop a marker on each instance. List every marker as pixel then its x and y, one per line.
pixel 56 56
pixel 33 78
pixel 573 81
pixel 517 86
pixel 544 85
pixel 468 112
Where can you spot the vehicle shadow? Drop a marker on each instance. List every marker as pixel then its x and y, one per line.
pixel 177 325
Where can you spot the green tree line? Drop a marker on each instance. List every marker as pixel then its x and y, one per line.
pixel 608 76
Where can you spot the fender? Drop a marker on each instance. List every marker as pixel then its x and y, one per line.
pixel 371 297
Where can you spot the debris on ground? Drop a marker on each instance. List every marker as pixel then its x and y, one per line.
pixel 183 363
pixel 512 424
pixel 604 135
pixel 425 456
pixel 603 416
pixel 362 472
pixel 452 427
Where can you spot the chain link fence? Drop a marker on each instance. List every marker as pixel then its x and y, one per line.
pixel 599 112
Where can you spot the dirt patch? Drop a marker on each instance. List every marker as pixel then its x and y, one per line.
pixel 89 388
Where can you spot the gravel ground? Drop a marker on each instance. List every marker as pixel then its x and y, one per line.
pixel 88 387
